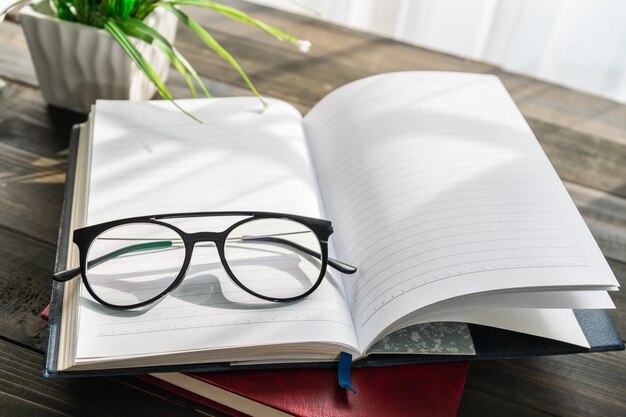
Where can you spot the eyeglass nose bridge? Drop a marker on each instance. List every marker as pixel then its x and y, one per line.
pixel 194 238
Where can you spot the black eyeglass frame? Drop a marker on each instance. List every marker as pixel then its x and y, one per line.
pixel 84 237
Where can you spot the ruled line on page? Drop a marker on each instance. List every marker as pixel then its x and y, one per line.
pixel 370 266
pixel 383 303
pixel 363 297
pixel 321 312
pixel 218 325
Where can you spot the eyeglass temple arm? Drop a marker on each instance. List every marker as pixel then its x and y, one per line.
pixel 338 265
pixel 71 273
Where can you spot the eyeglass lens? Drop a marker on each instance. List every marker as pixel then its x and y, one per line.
pixel 275 258
pixel 133 263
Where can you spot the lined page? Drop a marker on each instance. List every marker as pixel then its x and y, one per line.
pixel 438 189
pixel 148 158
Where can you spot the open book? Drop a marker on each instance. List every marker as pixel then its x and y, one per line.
pixel 437 189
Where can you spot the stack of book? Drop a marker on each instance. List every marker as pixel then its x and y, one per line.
pixel 432 389
pixel 466 242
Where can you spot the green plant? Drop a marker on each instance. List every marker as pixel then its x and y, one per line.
pixel 124 19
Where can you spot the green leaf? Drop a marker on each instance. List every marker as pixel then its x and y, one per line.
pixel 144 9
pixel 139 29
pixel 65 10
pixel 132 32
pixel 120 37
pixel 105 8
pixel 82 11
pixel 214 45
pixel 234 14
pixel 123 8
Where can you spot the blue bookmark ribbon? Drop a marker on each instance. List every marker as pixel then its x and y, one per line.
pixel 345 363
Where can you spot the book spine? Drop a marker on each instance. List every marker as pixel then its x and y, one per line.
pixel 56 298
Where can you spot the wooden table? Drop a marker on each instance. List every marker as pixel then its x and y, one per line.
pixel 584 137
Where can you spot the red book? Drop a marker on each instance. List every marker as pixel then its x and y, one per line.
pixel 407 390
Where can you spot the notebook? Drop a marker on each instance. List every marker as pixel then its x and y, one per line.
pixel 438 191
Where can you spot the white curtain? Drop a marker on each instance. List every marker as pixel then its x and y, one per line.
pixel 577 43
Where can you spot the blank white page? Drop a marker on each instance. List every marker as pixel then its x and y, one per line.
pixel 438 189
pixel 148 158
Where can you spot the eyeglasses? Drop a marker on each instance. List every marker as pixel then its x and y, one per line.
pixel 133 262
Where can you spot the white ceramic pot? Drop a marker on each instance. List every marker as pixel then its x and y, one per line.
pixel 78 64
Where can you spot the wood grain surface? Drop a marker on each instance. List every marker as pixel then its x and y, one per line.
pixel 584 137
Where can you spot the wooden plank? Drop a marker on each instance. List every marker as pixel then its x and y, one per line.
pixel 24 392
pixel 605 215
pixel 579 158
pixel 26 122
pixel 31 188
pixel 15 61
pixel 580 112
pixel 477 402
pixel 26 268
pixel 609 124
pixel 568 385
pixel 353 48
